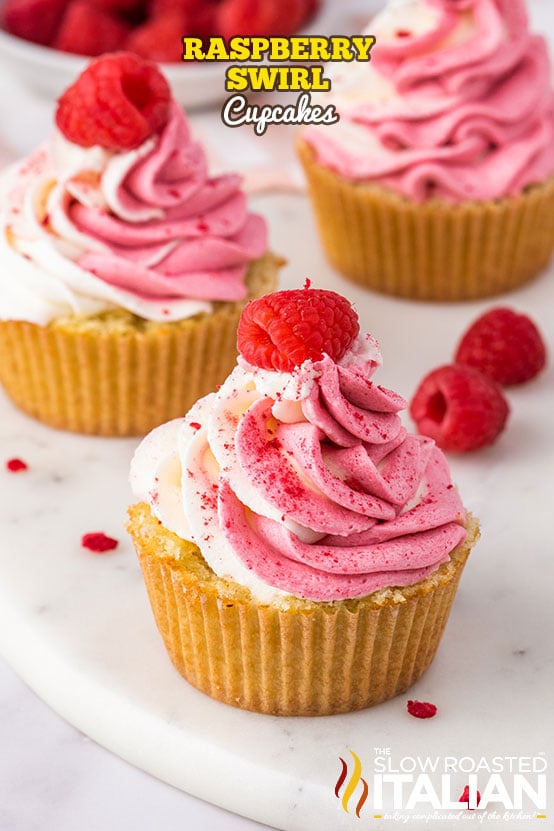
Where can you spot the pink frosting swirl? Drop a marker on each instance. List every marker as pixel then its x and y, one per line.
pixel 350 473
pixel 458 106
pixel 304 483
pixel 168 230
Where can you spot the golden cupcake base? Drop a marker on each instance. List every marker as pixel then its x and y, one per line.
pixel 433 250
pixel 297 659
pixel 114 374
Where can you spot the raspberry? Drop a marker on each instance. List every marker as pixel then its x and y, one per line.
pixel 16 465
pixel 504 345
pixel 98 542
pixel 460 408
pixel 160 38
pixel 250 17
pixel 129 7
pixel 117 102
pixel 286 328
pixel 87 30
pixel 421 709
pixel 34 20
pixel 465 797
pixel 200 15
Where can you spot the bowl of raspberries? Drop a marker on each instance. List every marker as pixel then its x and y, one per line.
pixel 47 43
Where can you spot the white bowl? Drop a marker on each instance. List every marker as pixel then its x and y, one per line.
pixel 49 72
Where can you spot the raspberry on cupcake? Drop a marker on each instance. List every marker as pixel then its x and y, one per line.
pixel 291 512
pixel 125 264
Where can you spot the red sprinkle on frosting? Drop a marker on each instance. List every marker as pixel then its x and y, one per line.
pixel 195 425
pixel 16 465
pixel 98 542
pixel 421 709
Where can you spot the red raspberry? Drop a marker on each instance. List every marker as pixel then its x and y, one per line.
pixel 201 15
pixel 252 18
pixel 286 328
pixel 34 20
pixel 117 102
pixel 421 709
pixel 129 7
pixel 87 30
pixel 160 38
pixel 504 345
pixel 460 408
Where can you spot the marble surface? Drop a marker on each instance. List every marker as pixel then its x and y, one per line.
pixel 77 629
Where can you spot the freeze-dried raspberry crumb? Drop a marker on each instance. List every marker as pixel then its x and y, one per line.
pixel 282 330
pixel 504 345
pixel 118 102
pixel 421 709
pixel 16 465
pixel 195 425
pixel 98 542
pixel 465 797
pixel 460 408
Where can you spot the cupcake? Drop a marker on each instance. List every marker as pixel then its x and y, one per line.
pixel 300 548
pixel 437 182
pixel 125 265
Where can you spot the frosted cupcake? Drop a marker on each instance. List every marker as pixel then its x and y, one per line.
pixel 300 549
pixel 125 266
pixel 437 182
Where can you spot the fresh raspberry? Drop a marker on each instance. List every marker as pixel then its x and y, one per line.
pixel 98 542
pixel 160 38
pixel 88 30
pixel 465 797
pixel 127 7
pixel 189 7
pixel 504 345
pixel 252 18
pixel 286 328
pixel 460 408
pixel 117 102
pixel 16 465
pixel 34 20
pixel 421 709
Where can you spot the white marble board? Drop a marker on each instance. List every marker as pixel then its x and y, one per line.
pixel 78 629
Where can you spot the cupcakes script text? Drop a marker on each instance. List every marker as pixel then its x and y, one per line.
pixel 253 68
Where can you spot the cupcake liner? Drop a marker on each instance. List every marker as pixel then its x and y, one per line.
pixel 304 659
pixel 433 250
pixel 116 375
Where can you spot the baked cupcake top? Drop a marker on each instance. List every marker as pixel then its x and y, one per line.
pixel 297 477
pixel 456 103
pixel 118 209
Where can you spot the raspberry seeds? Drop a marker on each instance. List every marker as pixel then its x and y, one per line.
pixel 282 330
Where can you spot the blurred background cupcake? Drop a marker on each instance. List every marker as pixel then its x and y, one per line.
pixel 437 183
pixel 125 266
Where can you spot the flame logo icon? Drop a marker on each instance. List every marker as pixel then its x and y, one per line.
pixel 352 784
